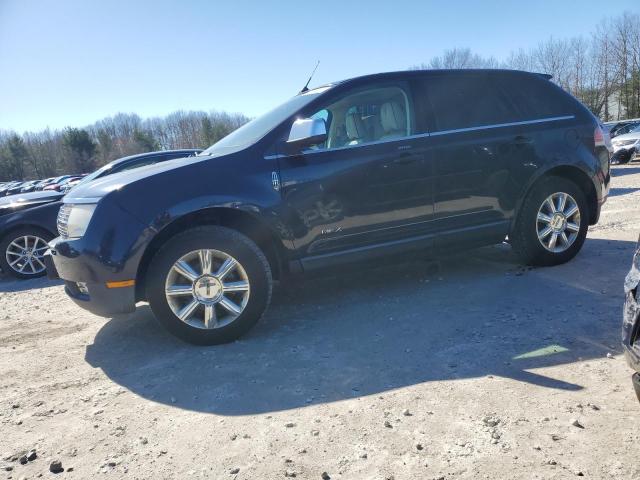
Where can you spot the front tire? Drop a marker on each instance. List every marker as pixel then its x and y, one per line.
pixel 22 251
pixel 209 285
pixel 552 223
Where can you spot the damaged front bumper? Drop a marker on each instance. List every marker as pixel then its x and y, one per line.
pixel 631 319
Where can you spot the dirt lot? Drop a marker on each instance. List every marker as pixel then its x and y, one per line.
pixel 478 370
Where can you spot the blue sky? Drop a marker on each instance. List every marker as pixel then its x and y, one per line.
pixel 71 62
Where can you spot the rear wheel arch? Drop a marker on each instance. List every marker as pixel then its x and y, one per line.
pixel 232 218
pixel 574 174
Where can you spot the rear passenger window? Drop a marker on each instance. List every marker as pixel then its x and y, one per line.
pixel 536 97
pixel 466 101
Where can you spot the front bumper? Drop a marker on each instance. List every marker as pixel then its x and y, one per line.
pixel 624 152
pixel 100 268
pixel 631 320
pixel 95 297
pixel 636 384
pixel 631 332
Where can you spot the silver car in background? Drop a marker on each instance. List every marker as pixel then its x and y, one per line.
pixel 626 147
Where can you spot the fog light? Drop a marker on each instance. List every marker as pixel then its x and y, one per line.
pixel 82 288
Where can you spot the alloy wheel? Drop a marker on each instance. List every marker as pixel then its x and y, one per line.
pixel 558 222
pixel 207 289
pixel 25 254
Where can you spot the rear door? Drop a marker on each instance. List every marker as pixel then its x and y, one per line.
pixel 477 148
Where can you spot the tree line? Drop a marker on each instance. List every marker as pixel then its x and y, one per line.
pixel 50 153
pixel 601 69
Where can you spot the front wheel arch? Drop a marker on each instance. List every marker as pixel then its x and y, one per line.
pixel 234 219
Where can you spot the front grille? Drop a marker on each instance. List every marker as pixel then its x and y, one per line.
pixel 63 219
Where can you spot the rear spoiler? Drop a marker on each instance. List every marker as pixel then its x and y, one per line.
pixel 546 76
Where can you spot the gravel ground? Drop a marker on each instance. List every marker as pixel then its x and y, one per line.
pixel 473 368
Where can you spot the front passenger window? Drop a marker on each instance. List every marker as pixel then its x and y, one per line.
pixel 367 116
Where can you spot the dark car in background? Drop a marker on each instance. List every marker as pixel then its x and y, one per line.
pixel 50 184
pixel 428 161
pixel 50 181
pixel 135 161
pixel 65 184
pixel 13 189
pixel 6 187
pixel 28 221
pixel 631 319
pixel 30 186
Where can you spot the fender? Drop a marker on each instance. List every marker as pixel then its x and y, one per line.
pixel 39 216
pixel 581 168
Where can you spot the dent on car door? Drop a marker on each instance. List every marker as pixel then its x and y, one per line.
pixel 368 183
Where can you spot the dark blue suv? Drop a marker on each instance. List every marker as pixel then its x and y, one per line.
pixel 395 162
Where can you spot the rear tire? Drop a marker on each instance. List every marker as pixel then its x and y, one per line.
pixel 187 279
pixel 12 247
pixel 540 220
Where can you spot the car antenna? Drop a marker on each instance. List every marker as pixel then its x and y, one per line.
pixel 306 86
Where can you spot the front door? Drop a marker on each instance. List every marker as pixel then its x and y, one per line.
pixel 368 185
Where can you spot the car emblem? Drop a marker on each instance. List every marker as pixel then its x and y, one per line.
pixel 275 181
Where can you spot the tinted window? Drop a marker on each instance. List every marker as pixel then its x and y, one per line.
pixel 142 162
pixel 367 115
pixel 465 101
pixel 535 97
pixel 138 163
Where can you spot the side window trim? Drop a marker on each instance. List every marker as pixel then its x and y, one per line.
pixel 369 144
pixel 445 132
pixel 501 125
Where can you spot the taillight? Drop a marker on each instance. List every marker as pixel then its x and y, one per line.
pixel 601 138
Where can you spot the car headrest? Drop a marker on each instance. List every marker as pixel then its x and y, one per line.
pixel 392 117
pixel 354 126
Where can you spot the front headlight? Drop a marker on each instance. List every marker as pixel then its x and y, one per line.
pixel 73 219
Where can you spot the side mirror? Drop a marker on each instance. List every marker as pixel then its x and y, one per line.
pixel 306 132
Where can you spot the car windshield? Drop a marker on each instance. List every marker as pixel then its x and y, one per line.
pixel 96 174
pixel 257 128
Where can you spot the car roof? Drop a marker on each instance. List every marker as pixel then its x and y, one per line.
pixel 434 73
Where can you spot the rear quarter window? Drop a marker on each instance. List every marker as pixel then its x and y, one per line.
pixel 467 101
pixel 536 97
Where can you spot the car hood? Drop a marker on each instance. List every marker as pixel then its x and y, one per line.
pixel 626 136
pixel 98 188
pixel 26 200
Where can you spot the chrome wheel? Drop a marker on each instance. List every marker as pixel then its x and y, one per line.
pixel 25 254
pixel 558 222
pixel 207 289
